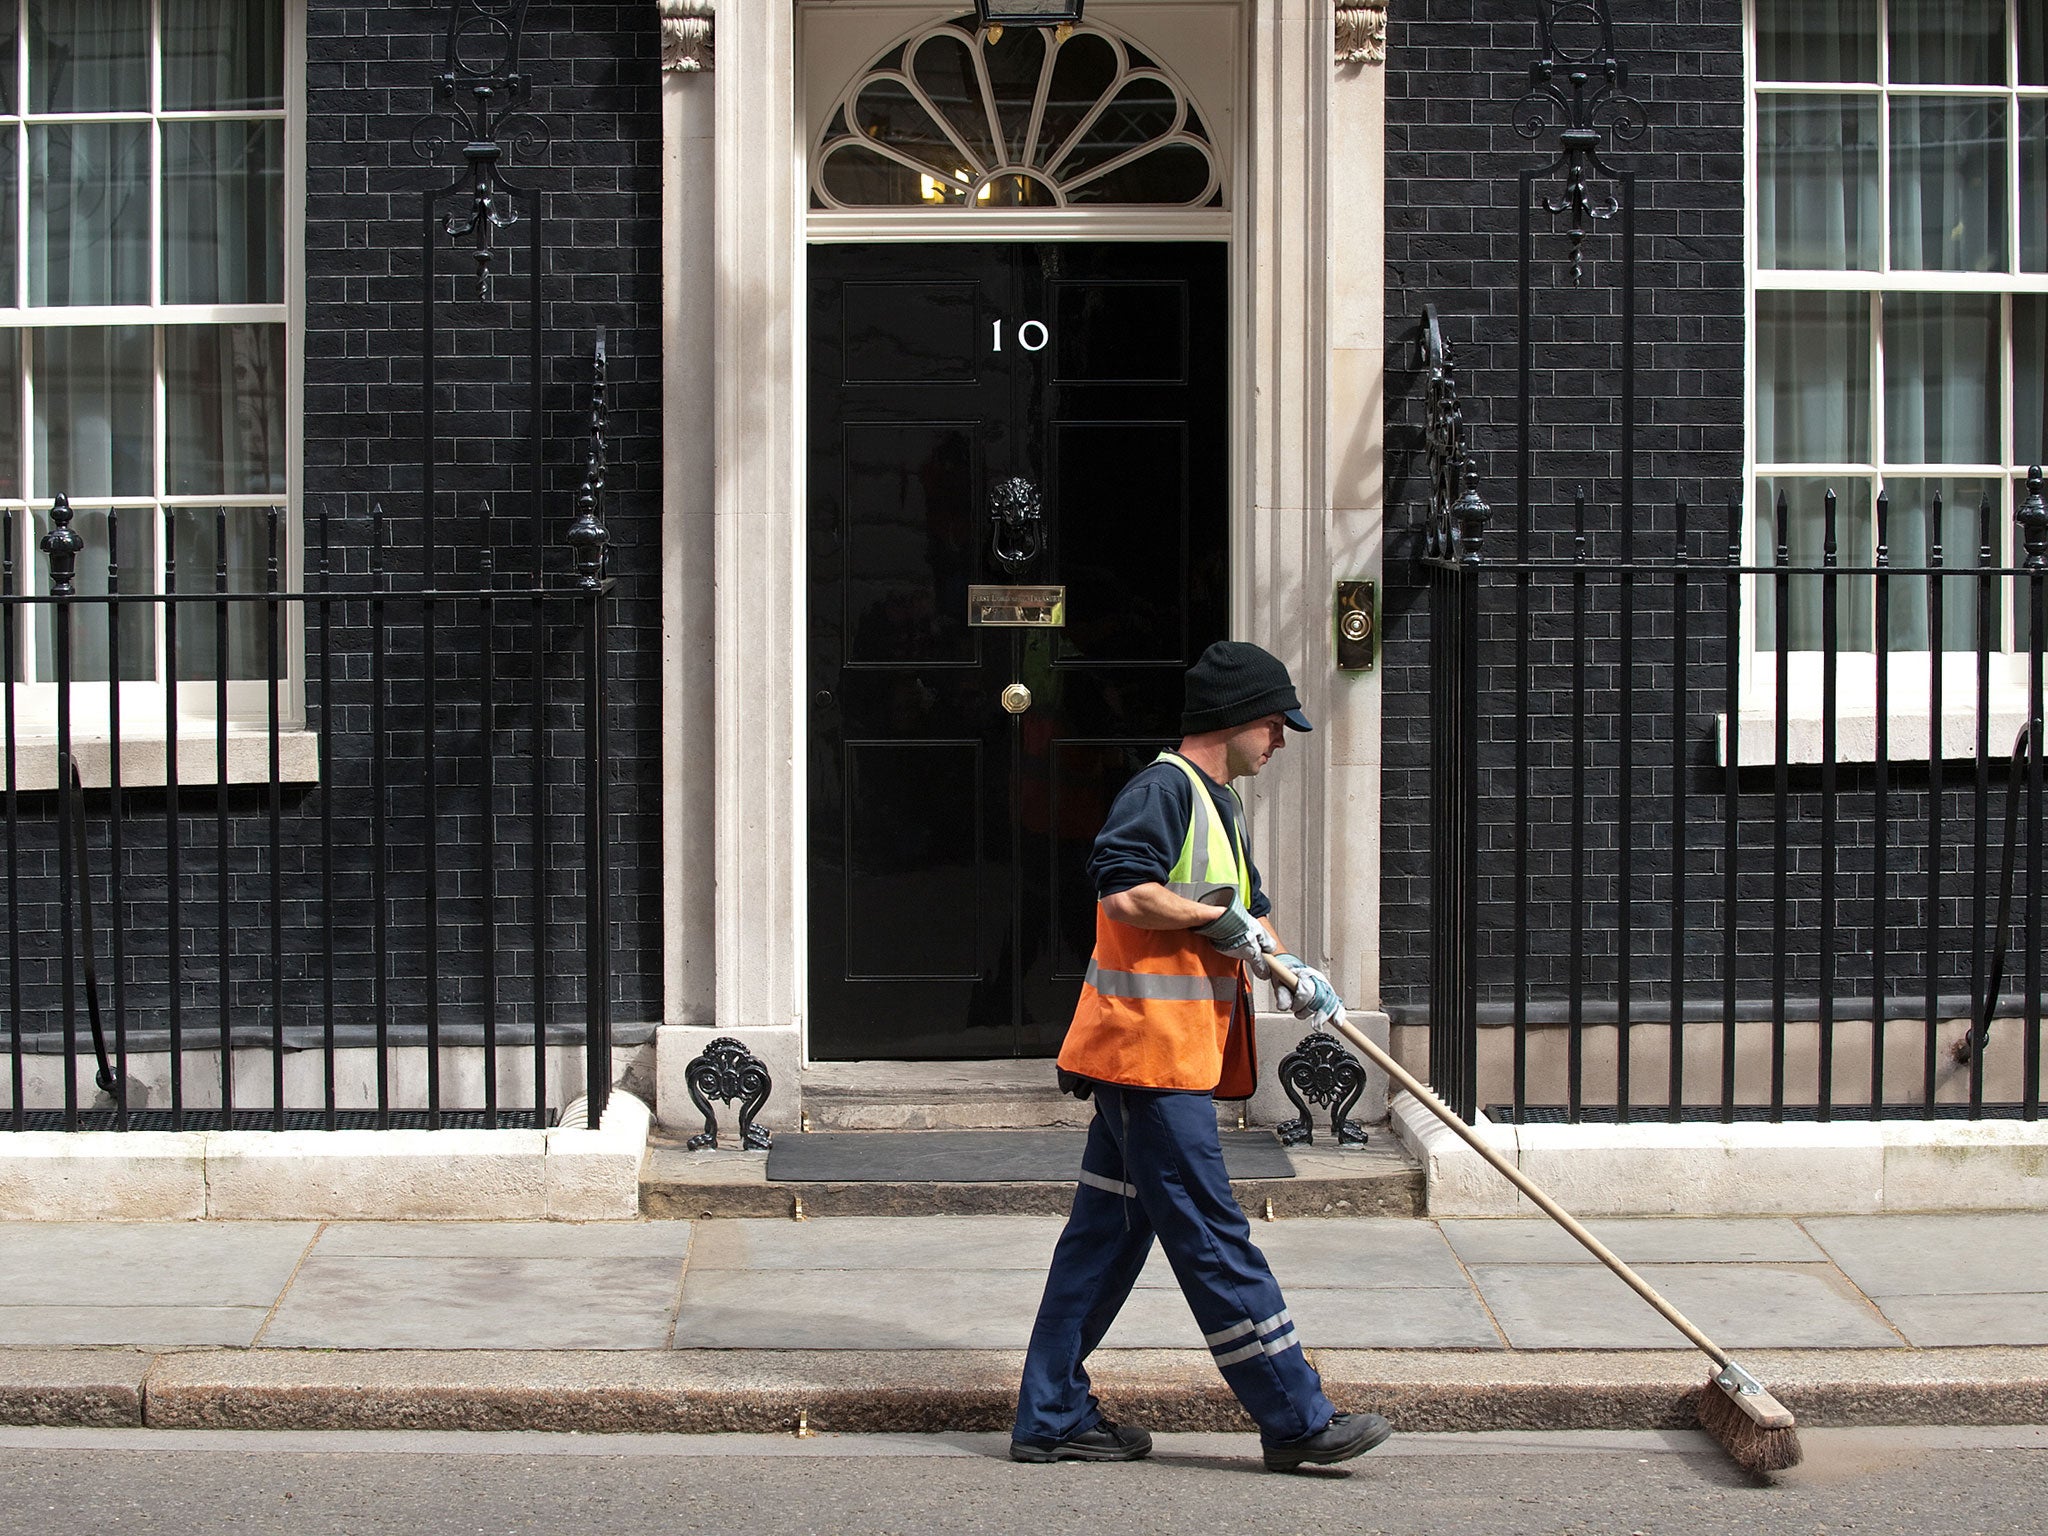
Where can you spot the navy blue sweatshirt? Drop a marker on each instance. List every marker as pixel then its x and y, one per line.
pixel 1147 824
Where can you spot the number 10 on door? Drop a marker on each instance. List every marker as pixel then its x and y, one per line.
pixel 1031 335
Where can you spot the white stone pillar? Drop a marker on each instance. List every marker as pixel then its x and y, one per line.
pixel 758 947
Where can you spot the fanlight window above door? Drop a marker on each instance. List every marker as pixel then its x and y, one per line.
pixel 961 117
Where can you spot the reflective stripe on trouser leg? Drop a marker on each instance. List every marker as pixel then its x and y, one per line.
pixel 1172 1154
pixel 1094 1266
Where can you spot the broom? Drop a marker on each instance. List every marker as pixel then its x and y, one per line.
pixel 1753 1427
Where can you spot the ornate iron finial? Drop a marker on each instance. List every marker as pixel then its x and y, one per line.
pixel 1457 513
pixel 62 544
pixel 1581 88
pixel 727 1070
pixel 587 535
pixel 686 35
pixel 1320 1071
pixel 482 63
pixel 2033 516
pixel 1362 32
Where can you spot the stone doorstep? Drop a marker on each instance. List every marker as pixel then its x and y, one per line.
pixel 675 1183
pixel 921 1391
pixel 568 1173
pixel 1751 1169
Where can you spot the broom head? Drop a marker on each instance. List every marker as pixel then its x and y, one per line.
pixel 1753 1427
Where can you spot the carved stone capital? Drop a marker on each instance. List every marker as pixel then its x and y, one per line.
pixel 1362 32
pixel 686 35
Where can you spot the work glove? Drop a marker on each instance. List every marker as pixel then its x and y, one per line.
pixel 1312 998
pixel 1236 932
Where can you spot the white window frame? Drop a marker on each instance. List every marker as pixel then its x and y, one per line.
pixel 143 716
pixel 1911 673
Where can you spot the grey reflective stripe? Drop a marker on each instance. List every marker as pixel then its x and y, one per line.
pixel 1115 1187
pixel 1194 890
pixel 1279 1344
pixel 1198 830
pixel 1234 1331
pixel 1273 1322
pixel 1162 989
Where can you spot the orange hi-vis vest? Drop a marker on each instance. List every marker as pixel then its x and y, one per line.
pixel 1164 1008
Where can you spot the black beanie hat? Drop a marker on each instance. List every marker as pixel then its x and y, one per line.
pixel 1235 683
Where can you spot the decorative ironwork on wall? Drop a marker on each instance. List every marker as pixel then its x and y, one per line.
pixel 1579 89
pixel 1320 1071
pixel 1362 33
pixel 687 35
pixel 725 1071
pixel 483 109
pixel 1457 513
pixel 587 535
pixel 958 116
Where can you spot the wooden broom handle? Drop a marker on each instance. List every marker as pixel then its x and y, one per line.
pixel 1507 1170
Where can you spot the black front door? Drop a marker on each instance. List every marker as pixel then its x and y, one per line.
pixel 950 909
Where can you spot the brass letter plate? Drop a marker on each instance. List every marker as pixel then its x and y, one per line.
pixel 990 607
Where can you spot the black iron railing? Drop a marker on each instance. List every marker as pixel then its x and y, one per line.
pixel 418 933
pixel 1659 864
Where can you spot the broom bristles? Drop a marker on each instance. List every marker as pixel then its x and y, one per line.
pixel 1748 1444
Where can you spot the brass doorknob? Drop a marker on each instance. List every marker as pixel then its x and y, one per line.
pixel 1016 698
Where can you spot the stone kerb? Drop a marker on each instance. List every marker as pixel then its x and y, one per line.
pixel 1794 1169
pixel 508 1175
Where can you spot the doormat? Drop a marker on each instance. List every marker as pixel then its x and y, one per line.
pixel 978 1157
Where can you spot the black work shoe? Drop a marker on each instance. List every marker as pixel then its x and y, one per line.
pixel 1345 1436
pixel 1106 1441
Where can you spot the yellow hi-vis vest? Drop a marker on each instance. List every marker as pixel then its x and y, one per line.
pixel 1163 1008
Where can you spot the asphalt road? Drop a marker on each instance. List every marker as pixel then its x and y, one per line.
pixel 1869 1482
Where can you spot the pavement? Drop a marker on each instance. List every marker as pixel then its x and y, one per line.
pixel 894 1324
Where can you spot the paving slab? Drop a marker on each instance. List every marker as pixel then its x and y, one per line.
pixel 506 1239
pixel 1936 1322
pixel 1648 1240
pixel 166 1264
pixel 482 1303
pixel 143 1327
pixel 856 1309
pixel 1438 1318
pixel 877 1242
pixel 1361 1254
pixel 96 1388
pixel 1780 1306
pixel 1932 1255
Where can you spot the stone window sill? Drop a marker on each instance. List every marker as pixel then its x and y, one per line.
pixel 143 757
pixel 1856 735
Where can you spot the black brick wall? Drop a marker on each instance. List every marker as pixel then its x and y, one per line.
pixel 596 190
pixel 1455 70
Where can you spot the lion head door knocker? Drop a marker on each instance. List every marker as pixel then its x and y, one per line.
pixel 1019 535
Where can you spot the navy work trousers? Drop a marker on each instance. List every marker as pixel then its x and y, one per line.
pixel 1154 1165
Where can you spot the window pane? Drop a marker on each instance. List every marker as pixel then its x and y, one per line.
pixel 223 55
pixel 862 177
pixel 88 229
pixel 1961 530
pixel 1817 168
pixel 93 420
pixel 196 535
pixel 10 99
pixel 91 645
pixel 224 396
pixel 944 68
pixel 1813 378
pixel 1816 40
pixel 10 414
pixel 1948 183
pixel 1948 42
pixel 1941 366
pixel 2033 45
pixel 2030 378
pixel 224 213
pixel 2034 186
pixel 1806 540
pixel 88 55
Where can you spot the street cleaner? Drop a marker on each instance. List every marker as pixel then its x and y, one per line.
pixel 1163 1030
